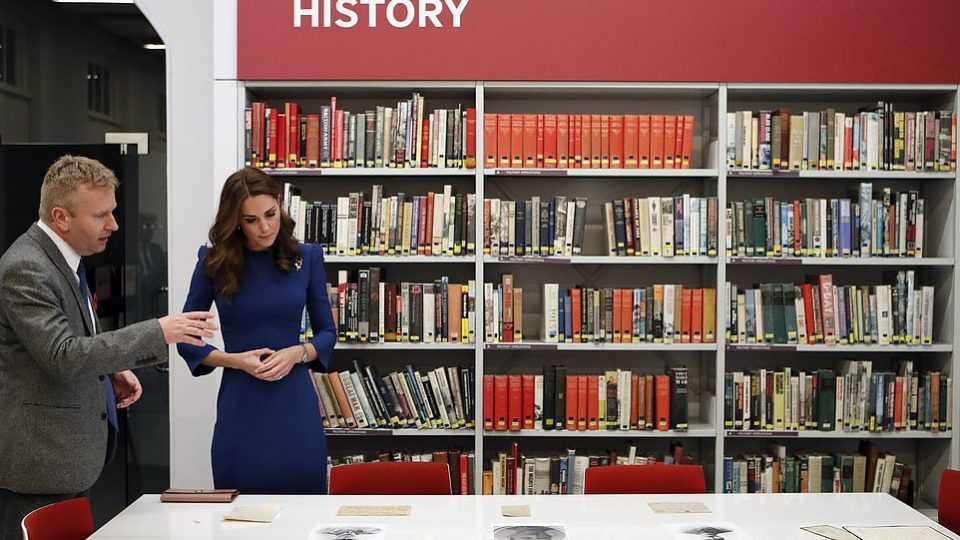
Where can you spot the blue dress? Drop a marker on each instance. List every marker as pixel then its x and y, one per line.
pixel 268 436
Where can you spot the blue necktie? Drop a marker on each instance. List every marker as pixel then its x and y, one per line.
pixel 107 383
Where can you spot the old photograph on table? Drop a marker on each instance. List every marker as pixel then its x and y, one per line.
pixel 527 531
pixel 348 531
pixel 706 531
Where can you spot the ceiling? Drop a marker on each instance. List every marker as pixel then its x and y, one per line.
pixel 121 20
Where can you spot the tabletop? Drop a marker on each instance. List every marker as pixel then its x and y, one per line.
pixel 606 517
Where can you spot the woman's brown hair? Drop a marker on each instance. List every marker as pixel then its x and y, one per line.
pixel 224 260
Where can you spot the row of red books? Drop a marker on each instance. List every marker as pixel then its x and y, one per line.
pixel 588 141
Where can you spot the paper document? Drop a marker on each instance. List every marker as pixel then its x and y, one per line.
pixel 526 531
pixel 519 510
pixel 354 531
pixel 706 531
pixel 264 513
pixel 679 508
pixel 897 533
pixel 395 510
pixel 829 531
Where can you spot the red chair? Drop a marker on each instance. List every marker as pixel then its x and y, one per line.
pixel 657 478
pixel 391 478
pixel 65 520
pixel 948 501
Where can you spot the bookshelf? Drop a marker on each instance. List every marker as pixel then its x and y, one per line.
pixel 708 176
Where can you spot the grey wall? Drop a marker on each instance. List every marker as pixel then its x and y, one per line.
pixel 50 106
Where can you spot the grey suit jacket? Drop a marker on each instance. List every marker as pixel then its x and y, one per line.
pixel 53 427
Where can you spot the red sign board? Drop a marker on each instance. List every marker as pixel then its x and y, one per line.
pixel 817 41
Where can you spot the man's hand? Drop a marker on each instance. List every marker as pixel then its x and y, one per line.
pixel 188 327
pixel 127 387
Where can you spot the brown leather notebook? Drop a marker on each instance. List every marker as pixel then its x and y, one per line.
pixel 199 495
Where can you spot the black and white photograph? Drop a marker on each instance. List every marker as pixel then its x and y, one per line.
pixel 528 532
pixel 706 531
pixel 348 531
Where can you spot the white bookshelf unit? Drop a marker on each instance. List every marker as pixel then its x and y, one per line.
pixel 928 453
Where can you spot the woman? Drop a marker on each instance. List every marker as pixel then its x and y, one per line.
pixel 268 436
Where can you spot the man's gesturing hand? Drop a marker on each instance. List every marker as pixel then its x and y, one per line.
pixel 188 327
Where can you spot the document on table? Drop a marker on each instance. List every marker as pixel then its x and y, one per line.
pixel 263 513
pixel 895 532
pixel 355 531
pixel 504 531
pixel 700 531
pixel 679 508
pixel 519 510
pixel 829 531
pixel 394 510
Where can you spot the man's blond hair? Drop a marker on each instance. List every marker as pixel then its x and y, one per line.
pixel 66 175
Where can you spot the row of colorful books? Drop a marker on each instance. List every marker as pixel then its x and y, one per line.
pixel 669 226
pixel 852 398
pixel 660 313
pixel 611 401
pixel 869 470
pixel 891 226
pixel 818 311
pixel 437 224
pixel 368 309
pixel 406 135
pixel 441 398
pixel 879 138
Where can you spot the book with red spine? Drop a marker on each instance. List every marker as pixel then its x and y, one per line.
pixel 470 153
pixel 593 402
pixel 292 111
pixel 644 143
pixel 527 395
pixel 313 140
pixel 489 140
pixel 596 141
pixel 550 141
pixel 563 141
pixel 514 402
pixel 631 141
pixel 504 143
pixel 572 396
pixel 517 140
pixel 582 403
pixel 500 399
pixel 586 140
pixel 678 143
pixel 688 132
pixel 604 141
pixel 616 141
pixel 425 145
pixel 541 143
pixel 669 139
pixel 488 402
pixel 662 383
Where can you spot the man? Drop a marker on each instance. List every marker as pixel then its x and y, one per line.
pixel 61 379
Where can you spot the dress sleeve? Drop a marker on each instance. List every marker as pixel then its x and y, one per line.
pixel 318 307
pixel 200 298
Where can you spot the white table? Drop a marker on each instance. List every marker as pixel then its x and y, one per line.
pixel 603 517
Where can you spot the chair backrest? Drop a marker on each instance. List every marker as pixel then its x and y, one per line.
pixel 656 478
pixel 948 501
pixel 65 520
pixel 391 478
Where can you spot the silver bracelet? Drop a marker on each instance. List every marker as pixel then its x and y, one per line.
pixel 306 355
